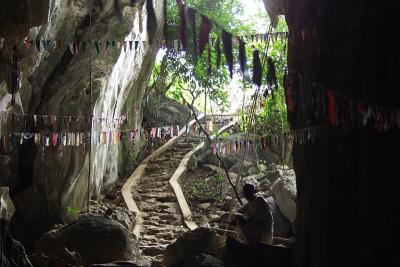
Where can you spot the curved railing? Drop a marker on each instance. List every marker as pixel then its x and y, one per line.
pixel 182 168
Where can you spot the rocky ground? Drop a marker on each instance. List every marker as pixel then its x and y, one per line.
pixel 209 193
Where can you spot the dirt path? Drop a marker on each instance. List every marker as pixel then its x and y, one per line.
pixel 155 198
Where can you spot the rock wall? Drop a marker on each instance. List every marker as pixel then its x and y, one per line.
pixel 347 183
pixel 54 81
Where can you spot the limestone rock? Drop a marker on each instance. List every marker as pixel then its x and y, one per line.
pixel 254 179
pixel 252 170
pixel 12 252
pixel 204 206
pixel 120 264
pixel 165 111
pixel 192 163
pixel 113 212
pixel 56 82
pixel 200 240
pixel 7 208
pixel 282 226
pixel 39 260
pixel 70 257
pixel 227 203
pixel 203 260
pixel 207 157
pixel 246 165
pixel 272 175
pixel 239 254
pixel 96 239
pixel 284 193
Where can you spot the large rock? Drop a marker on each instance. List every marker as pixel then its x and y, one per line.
pixel 109 210
pixel 207 157
pixel 253 179
pixel 192 163
pixel 261 255
pixel 64 257
pixel 200 240
pixel 12 252
pixel 282 226
pixel 164 111
pixel 96 239
pixel 284 193
pixel 245 166
pixel 7 208
pixel 203 260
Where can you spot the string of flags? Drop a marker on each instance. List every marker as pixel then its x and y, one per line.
pixel 56 121
pixel 75 46
pixel 107 137
pixel 340 110
pixel 299 136
pixel 196 46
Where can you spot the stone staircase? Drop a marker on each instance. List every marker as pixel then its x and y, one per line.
pixel 162 220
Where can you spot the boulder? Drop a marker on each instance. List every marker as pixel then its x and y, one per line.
pixel 265 186
pixel 120 264
pixel 97 239
pixel 227 203
pixel 284 193
pixel 200 240
pixel 235 168
pixel 7 208
pixel 213 168
pixel 39 260
pixel 252 179
pixel 70 257
pixel 192 163
pixel 203 260
pixel 272 175
pixel 261 255
pixel 204 206
pixel 207 157
pixel 109 210
pixel 58 262
pixel 282 226
pixel 12 252
pixel 252 170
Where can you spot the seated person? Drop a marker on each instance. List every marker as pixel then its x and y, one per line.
pixel 254 220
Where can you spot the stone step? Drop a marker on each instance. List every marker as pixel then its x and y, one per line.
pixel 153 250
pixel 147 191
pixel 162 197
pixel 151 185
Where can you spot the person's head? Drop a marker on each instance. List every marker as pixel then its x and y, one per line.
pixel 249 191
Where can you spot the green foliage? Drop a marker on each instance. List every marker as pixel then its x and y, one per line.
pixel 177 75
pixel 206 189
pixel 183 76
pixel 272 119
pixel 72 211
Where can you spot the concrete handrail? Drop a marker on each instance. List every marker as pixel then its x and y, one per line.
pixel 139 171
pixel 174 181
